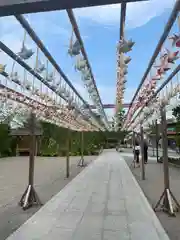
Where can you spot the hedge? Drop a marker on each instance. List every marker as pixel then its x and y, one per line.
pixel 53 141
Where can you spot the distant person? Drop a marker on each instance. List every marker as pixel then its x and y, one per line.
pixel 173 146
pixel 137 152
pixel 160 143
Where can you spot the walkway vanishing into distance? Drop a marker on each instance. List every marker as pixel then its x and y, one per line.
pixel 104 202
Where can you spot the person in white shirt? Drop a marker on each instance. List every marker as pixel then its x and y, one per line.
pixel 137 152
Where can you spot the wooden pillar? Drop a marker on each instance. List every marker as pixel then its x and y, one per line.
pixel 30 197
pixel 82 147
pixel 157 141
pixel 167 196
pixel 142 154
pixel 67 152
pixel 81 161
pixel 32 149
pixel 17 150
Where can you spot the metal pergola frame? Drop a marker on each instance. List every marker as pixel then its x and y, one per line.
pixel 176 70
pixel 166 31
pixel 167 198
pixel 16 58
pixel 15 7
pixel 12 7
pixel 84 53
pixel 24 23
pixel 121 36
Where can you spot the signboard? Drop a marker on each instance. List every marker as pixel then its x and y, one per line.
pixel 13 7
pixel 171 129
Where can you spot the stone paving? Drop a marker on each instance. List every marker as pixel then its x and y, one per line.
pixel 103 202
pixel 50 178
pixel 153 186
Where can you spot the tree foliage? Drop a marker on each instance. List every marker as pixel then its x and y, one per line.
pixel 8 143
pixel 177 137
pixel 176 114
pixel 53 141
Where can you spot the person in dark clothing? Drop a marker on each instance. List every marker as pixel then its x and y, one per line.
pixel 145 151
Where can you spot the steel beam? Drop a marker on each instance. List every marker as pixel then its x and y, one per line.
pixel 176 70
pixel 23 64
pixel 24 23
pixel 12 7
pixel 41 46
pixel 78 36
pixel 167 29
pixel 122 20
pixel 122 29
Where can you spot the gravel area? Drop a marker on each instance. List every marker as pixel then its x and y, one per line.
pixel 49 180
pixel 153 188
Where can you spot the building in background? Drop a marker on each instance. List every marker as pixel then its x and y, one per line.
pixel 171 133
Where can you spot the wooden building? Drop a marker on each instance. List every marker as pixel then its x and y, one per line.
pixel 23 140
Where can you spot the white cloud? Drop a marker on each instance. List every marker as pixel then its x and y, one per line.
pixel 138 13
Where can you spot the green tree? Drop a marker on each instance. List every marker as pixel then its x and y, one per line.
pixel 5 140
pixel 177 137
pixel 176 114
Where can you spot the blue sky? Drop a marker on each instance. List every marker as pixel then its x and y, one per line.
pixel 99 28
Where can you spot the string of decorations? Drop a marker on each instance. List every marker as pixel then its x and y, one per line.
pixel 167 60
pixel 82 65
pixel 48 82
pixel 124 46
pixel 70 91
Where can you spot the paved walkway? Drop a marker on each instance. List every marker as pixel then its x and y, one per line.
pixel 153 186
pixel 49 179
pixel 104 202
